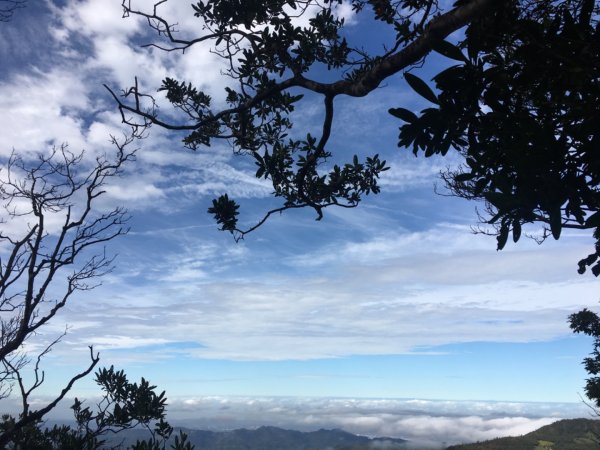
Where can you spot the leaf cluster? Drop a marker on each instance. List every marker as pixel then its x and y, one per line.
pixel 297 181
pixel 262 43
pixel 521 107
pixel 588 323
pixel 124 405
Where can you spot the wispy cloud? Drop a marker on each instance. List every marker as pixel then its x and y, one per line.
pixel 400 274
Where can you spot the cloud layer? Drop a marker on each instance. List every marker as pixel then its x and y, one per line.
pixel 425 423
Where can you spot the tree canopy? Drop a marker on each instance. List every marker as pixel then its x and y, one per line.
pixel 588 323
pixel 528 139
pixel 123 406
pixel 522 108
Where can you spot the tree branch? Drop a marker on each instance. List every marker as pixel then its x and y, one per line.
pixel 36 416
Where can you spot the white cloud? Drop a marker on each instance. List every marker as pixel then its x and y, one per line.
pixel 94 18
pixel 265 321
pixel 113 342
pixel 41 109
pixel 423 422
pixel 344 11
pixel 448 254
pixel 135 191
pixel 391 294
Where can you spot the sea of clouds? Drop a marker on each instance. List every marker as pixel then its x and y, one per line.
pixel 430 423
pixel 424 423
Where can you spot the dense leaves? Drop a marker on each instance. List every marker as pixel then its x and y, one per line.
pixel 588 322
pixel 124 405
pixel 522 108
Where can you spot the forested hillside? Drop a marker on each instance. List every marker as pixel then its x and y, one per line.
pixel 572 434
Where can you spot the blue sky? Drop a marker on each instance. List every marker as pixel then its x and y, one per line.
pixel 395 299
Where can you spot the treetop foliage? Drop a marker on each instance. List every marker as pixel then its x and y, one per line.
pixel 521 108
pixel 123 406
pixel 588 323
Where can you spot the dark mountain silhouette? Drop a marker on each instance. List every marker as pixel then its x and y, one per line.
pixel 273 438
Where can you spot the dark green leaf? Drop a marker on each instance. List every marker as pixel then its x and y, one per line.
pixel 403 114
pixel 420 87
pixel 555 222
pixel 448 50
pixel 503 236
pixel 462 177
pixel 593 220
pixel 516 230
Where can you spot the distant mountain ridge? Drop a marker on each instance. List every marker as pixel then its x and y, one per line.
pixel 568 434
pixel 274 438
pixel 267 438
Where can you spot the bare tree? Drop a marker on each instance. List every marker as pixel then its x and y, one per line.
pixel 51 234
pixel 8 8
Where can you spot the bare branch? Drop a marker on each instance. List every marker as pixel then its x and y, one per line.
pixel 35 255
pixel 33 417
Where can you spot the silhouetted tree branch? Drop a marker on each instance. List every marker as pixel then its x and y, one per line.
pixel 510 104
pixel 269 57
pixel 50 231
